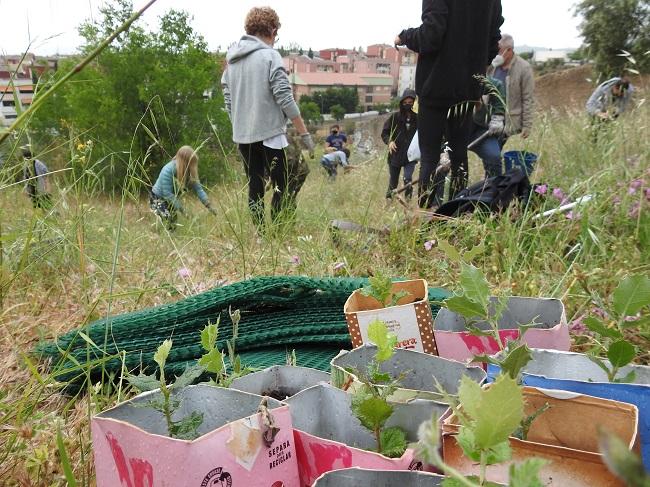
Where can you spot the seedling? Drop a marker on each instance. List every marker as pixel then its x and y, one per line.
pixel 370 401
pixel 380 288
pixel 488 417
pixel 186 428
pixel 630 297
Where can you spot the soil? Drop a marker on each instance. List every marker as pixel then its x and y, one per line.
pixel 569 89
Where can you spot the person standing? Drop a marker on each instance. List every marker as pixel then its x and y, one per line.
pixel 516 74
pixel 37 184
pixel 177 176
pixel 397 134
pixel 456 41
pixel 259 100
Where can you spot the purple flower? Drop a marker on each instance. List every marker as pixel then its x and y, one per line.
pixel 600 313
pixel 578 327
pixel 573 216
pixel 295 260
pixel 339 266
pixel 635 210
pixel 636 184
pixel 647 194
pixel 541 189
pixel 631 319
pixel 559 194
pixel 184 272
pixel 617 200
pixel 428 245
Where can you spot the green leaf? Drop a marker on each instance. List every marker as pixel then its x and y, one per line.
pixel 65 459
pixel 212 361
pixel 385 341
pixel 380 288
pixel 449 250
pixel 499 413
pixel 474 252
pixel 209 336
pixel 187 428
pixel 395 299
pixel 373 412
pixel 499 453
pixel 621 353
pixel 526 474
pixel 622 462
pixel 474 285
pixel 631 295
pixel 188 377
pixel 516 359
pixel 598 327
pixel 600 363
pixel 467 441
pixel 464 307
pixel 143 382
pixel 469 395
pixel 160 357
pixel 393 442
pixel 628 379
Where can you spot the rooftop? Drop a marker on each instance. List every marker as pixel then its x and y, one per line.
pixel 345 79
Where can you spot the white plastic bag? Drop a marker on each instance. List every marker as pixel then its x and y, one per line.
pixel 413 152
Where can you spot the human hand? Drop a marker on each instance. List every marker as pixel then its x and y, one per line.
pixel 496 126
pixel 392 147
pixel 308 143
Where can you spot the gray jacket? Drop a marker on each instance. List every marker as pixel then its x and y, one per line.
pixel 520 96
pixel 257 91
pixel 602 99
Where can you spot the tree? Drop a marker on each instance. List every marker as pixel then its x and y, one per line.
pixel 144 96
pixel 337 112
pixel 528 55
pixel 610 27
pixel 348 98
pixel 310 53
pixel 310 111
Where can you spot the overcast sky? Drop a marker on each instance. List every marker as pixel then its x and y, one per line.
pixel 317 24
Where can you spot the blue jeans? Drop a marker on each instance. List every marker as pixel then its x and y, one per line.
pixel 489 150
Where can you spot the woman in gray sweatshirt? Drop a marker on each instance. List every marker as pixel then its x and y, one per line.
pixel 259 100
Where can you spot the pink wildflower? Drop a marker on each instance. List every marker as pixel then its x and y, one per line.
pixel 295 260
pixel 339 266
pixel 578 327
pixel 647 194
pixel 428 245
pixel 184 272
pixel 636 184
pixel 600 313
pixel 635 210
pixel 573 216
pixel 559 194
pixel 541 189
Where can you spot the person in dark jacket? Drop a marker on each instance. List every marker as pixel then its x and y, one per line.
pixel 397 134
pixel 456 42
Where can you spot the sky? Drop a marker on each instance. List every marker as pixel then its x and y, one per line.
pixel 51 25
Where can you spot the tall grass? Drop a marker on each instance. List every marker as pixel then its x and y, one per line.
pixel 96 255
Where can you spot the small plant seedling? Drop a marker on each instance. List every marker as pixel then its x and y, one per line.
pixel 630 297
pixel 370 401
pixel 488 418
pixel 380 288
pixel 186 428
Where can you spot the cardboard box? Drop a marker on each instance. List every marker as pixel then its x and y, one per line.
pixel 132 448
pixel 566 436
pixel 410 320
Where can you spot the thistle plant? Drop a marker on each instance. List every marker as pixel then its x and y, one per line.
pixel 381 289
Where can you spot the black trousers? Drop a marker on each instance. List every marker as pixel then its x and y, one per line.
pixel 393 179
pixel 434 123
pixel 260 161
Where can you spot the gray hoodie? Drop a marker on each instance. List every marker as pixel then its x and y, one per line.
pixel 257 91
pixel 602 99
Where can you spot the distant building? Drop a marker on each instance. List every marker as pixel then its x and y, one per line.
pixel 18 75
pixel 333 54
pixel 406 77
pixel 295 63
pixel 373 89
pixel 543 55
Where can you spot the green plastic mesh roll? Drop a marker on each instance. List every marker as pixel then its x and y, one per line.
pixel 278 315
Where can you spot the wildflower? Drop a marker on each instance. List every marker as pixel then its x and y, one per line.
pixel 339 266
pixel 617 200
pixel 428 245
pixel 647 194
pixel 541 189
pixel 295 260
pixel 635 210
pixel 559 194
pixel 80 147
pixel 578 327
pixel 184 272
pixel 636 184
pixel 601 313
pixel 631 319
pixel 573 216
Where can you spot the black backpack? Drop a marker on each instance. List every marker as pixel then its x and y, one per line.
pixel 493 194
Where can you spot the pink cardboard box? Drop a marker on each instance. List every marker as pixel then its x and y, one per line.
pixel 132 448
pixel 549 331
pixel 329 437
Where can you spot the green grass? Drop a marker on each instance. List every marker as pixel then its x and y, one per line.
pixel 100 254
